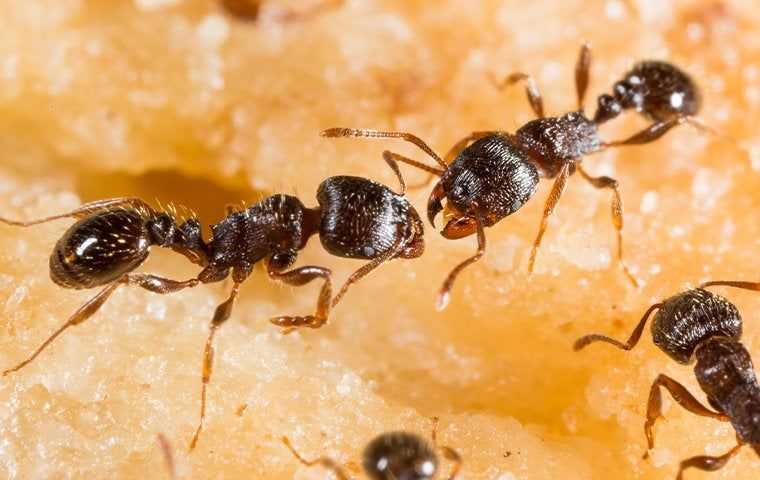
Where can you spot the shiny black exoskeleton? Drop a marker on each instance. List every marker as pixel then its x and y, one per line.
pixel 658 90
pixel 488 176
pixel 356 218
pixel 698 324
pixel 399 456
pixel 393 456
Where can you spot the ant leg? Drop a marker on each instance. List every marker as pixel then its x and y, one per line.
pixel 681 396
pixel 444 294
pixel 551 203
pixel 531 90
pixel 310 11
pixel 448 452
pixel 149 282
pixel 617 214
pixel 362 272
pixel 166 450
pixel 628 345
pixel 649 134
pixel 87 209
pixel 707 464
pixel 302 276
pixel 730 283
pixel 221 314
pixel 368 133
pixel 582 68
pixel 325 462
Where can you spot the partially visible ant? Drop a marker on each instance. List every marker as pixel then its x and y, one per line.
pixel 356 218
pixel 394 456
pixel 493 177
pixel 168 454
pixel 702 325
pixel 250 10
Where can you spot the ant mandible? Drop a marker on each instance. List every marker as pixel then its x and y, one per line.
pixel 394 456
pixel 356 218
pixel 495 176
pixel 702 325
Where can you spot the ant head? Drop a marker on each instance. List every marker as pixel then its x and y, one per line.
pixel 492 178
pixel 399 456
pixel 686 320
pixel 416 244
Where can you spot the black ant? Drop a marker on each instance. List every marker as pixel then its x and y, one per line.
pixel 356 218
pixel 394 456
pixel 702 325
pixel 495 176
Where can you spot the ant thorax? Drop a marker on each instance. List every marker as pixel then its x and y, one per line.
pixel 554 141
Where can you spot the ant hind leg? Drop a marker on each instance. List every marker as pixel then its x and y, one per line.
pixel 149 282
pixel 86 210
pixel 582 69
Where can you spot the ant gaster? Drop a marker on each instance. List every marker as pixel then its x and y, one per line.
pixel 356 218
pixel 495 176
pixel 394 456
pixel 698 324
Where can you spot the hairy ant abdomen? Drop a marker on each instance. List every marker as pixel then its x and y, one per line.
pixel 689 318
pixel 99 249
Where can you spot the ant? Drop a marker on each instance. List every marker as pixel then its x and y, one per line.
pixel 250 10
pixel 702 325
pixel 489 175
pixel 394 456
pixel 356 218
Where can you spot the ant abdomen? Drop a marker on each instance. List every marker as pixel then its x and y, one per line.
pixel 686 320
pixel 658 90
pixel 399 456
pixel 364 219
pixel 491 178
pixel 99 249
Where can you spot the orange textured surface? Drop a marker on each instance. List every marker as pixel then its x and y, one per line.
pixel 173 100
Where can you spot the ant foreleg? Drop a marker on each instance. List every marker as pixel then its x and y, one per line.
pixel 531 90
pixel 221 314
pixel 448 452
pixel 617 214
pixel 149 282
pixel 302 276
pixel 86 210
pixel 325 462
pixel 444 294
pixel 628 345
pixel 551 203
pixel 706 463
pixel 681 396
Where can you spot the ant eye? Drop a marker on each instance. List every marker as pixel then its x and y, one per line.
pixel 281 261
